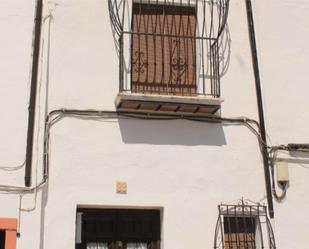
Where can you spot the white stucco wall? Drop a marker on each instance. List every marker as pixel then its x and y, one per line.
pixel 282 31
pixel 187 168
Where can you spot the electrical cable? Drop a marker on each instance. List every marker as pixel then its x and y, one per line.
pixel 56 115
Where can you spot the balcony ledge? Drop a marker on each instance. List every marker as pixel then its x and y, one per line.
pixel 141 103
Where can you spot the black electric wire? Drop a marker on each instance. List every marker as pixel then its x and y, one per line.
pixel 56 115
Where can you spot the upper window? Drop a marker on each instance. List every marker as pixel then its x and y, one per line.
pixel 169 47
pixel 163 49
pixel 117 229
pixel 243 226
pixel 171 55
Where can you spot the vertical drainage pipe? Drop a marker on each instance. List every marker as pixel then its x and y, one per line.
pixel 33 91
pixel 255 65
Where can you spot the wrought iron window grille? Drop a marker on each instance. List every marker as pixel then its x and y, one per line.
pixel 244 225
pixel 169 47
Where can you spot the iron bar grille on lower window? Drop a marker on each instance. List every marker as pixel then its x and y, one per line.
pixel 169 47
pixel 243 226
pixel 239 232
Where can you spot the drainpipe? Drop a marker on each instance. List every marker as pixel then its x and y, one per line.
pixel 33 91
pixel 255 65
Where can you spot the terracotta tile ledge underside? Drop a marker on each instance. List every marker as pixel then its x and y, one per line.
pixel 167 103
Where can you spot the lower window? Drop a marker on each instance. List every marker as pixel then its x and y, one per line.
pixel 239 232
pixel 117 229
pixel 243 225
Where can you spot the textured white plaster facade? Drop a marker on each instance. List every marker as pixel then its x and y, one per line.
pixel 186 168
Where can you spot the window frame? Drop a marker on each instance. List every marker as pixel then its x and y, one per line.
pixel 240 231
pixel 244 209
pixel 114 227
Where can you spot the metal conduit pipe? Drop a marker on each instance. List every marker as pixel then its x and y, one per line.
pixel 33 91
pixel 255 65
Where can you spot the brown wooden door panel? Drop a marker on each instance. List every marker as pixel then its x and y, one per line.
pixel 163 49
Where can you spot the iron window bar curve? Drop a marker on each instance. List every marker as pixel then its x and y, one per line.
pixel 244 225
pixel 169 46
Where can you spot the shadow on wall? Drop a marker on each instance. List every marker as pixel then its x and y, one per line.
pixel 224 51
pixel 171 132
pixel 224 42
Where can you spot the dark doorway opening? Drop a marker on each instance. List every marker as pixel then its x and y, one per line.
pixel 2 239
